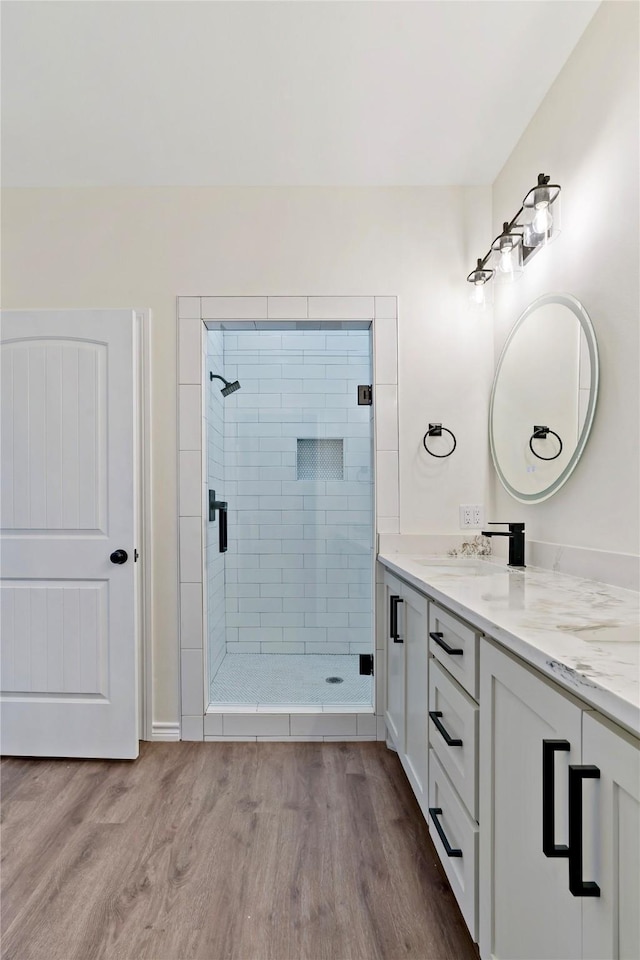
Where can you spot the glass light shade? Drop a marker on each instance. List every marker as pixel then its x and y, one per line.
pixel 541 215
pixel 506 257
pixel 480 291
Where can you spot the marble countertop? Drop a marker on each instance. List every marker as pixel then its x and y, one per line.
pixel 583 634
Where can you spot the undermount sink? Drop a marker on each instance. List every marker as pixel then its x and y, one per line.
pixel 459 566
pixel 609 633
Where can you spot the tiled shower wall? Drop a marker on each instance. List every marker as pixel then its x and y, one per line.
pixel 299 561
pixel 216 638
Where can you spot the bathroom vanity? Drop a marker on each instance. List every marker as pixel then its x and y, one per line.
pixel 512 697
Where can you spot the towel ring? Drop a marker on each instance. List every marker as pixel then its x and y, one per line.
pixel 435 430
pixel 541 433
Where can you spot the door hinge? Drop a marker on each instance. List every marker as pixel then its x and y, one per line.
pixel 366 664
pixel 365 394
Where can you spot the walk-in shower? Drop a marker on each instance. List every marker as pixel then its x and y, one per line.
pixel 289 604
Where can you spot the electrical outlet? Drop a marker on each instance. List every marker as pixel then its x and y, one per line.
pixel 471 515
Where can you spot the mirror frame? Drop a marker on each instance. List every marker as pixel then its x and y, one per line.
pixel 583 318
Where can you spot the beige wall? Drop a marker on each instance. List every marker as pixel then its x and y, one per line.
pixel 586 136
pixel 143 247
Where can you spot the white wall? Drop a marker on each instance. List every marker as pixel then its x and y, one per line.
pixel 142 247
pixel 586 136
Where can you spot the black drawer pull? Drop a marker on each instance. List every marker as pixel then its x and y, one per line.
pixel 549 846
pixel 448 739
pixel 452 651
pixel 577 886
pixel 449 850
pixel 393 618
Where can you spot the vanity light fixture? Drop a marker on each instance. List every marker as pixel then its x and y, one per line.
pixel 536 223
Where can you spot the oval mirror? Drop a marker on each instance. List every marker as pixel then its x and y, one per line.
pixel 543 397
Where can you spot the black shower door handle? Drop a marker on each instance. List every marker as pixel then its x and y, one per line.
pixel 222 527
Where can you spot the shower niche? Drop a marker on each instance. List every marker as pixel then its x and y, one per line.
pixel 289 454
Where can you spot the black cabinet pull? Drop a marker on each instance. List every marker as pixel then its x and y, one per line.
pixel 549 846
pixel 448 739
pixel 222 529
pixel 434 812
pixel 577 886
pixel 452 651
pixel 393 618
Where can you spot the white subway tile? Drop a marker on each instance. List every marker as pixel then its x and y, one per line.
pixel 341 308
pixel 386 405
pixel 190 417
pixel 190 484
pixel 324 724
pixel 287 308
pixel 191 682
pixel 190 549
pixel 190 351
pixel 280 646
pixel 213 725
pixel 261 635
pixel 243 647
pixel 386 351
pixel 191 728
pixel 258 724
pixel 387 483
pixel 191 616
pixel 365 724
pixel 234 308
pixel 335 647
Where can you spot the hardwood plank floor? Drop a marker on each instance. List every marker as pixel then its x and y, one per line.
pixel 222 851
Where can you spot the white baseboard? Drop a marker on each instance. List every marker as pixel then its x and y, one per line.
pixel 165 731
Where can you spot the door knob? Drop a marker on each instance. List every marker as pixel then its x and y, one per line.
pixel 119 556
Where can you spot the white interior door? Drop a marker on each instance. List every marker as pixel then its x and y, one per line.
pixel 69 495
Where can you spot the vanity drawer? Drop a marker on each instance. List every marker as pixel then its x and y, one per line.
pixel 454 715
pixel 455 644
pixel 460 833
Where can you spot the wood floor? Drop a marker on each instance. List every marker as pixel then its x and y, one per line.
pixel 222 851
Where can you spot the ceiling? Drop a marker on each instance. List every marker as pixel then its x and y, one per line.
pixel 274 93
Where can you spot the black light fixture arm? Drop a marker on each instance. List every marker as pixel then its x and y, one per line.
pixel 509 226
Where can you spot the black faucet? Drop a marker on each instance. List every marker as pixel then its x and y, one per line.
pixel 516 541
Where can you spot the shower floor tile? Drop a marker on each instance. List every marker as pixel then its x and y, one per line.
pixel 287 678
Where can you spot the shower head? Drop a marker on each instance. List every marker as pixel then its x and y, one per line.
pixel 228 387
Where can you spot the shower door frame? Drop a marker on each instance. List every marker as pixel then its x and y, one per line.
pixel 193 313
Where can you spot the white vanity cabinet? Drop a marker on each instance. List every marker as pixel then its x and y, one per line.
pixel 546 847
pixel 611 922
pixel 406 680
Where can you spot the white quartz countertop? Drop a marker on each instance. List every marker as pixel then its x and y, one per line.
pixel 583 634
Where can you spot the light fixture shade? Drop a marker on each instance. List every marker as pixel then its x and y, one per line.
pixel 506 256
pixel 541 213
pixel 480 290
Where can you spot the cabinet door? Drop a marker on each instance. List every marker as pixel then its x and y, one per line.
pixel 394 677
pixel 611 842
pixel 416 652
pixel 526 909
